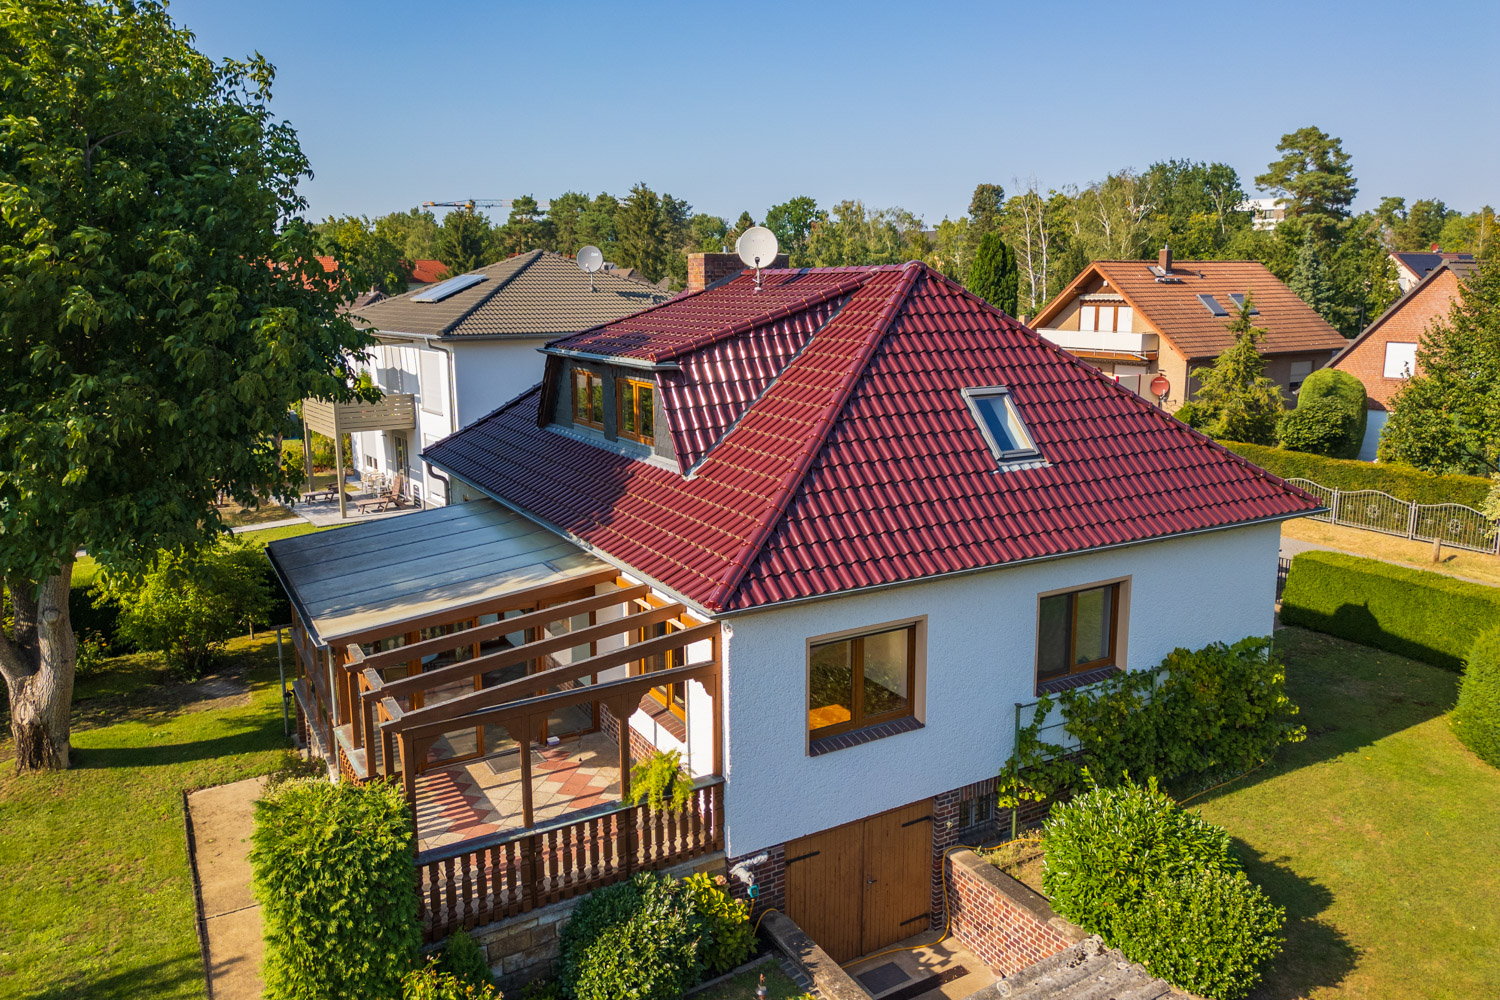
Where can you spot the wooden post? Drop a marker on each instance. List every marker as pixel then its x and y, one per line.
pixel 1437 549
pixel 524 742
pixel 387 751
pixel 307 448
pixel 409 779
pixel 338 464
pixel 621 707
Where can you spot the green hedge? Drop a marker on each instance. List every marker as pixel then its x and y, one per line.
pixel 1426 616
pixel 1476 717
pixel 1401 481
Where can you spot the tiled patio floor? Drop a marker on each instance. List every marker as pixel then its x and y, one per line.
pixel 471 800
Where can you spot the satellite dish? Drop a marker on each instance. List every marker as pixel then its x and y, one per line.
pixel 757 248
pixel 590 259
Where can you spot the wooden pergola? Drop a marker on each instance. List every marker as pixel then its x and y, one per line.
pixel 394 412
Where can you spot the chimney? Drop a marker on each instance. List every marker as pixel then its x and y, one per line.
pixel 1164 260
pixel 706 269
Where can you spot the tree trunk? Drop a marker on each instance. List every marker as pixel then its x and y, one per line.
pixel 37 660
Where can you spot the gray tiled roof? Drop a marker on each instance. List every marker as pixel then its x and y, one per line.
pixel 535 294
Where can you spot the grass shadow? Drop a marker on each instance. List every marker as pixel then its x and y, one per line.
pixel 178 977
pixel 1317 955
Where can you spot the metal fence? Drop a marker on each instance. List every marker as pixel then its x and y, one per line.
pixel 1452 524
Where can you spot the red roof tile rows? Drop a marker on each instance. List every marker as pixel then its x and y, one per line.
pixel 860 465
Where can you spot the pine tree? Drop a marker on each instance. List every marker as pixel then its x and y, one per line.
pixel 993 275
pixel 1309 281
pixel 463 243
pixel 643 233
pixel 1236 401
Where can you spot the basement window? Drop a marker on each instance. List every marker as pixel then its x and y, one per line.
pixel 1000 422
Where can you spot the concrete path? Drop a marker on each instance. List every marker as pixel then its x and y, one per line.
pixel 222 820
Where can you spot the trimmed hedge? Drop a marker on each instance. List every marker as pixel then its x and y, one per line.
pixel 1331 404
pixel 1426 616
pixel 1402 481
pixel 1476 717
pixel 333 869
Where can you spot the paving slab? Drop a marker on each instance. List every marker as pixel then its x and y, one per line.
pixel 223 818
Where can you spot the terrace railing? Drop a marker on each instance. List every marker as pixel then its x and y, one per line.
pixel 1450 524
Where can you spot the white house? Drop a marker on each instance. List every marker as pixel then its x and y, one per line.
pixel 465 345
pixel 822 536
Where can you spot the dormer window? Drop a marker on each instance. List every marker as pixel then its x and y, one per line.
pixel 1000 422
pixel 588 399
pixel 636 417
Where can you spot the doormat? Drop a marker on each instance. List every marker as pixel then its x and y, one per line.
pixel 882 978
pixel 925 984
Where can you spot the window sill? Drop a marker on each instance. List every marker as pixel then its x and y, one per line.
pixel 1068 683
pixel 879 731
pixel 664 717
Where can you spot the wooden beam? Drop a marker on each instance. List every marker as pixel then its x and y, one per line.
pixel 524 741
pixel 504 626
pixel 544 679
pixel 499 604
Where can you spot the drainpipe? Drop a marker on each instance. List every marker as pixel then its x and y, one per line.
pixel 452 414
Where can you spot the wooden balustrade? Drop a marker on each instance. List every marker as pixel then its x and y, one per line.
pixel 482 881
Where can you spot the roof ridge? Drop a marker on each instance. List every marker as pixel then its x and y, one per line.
pixel 1396 306
pixel 825 294
pixel 787 488
pixel 499 287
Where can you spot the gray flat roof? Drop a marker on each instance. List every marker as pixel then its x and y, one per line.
pixel 386 572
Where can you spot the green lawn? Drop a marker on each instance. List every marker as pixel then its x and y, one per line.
pixel 95 896
pixel 742 987
pixel 1380 833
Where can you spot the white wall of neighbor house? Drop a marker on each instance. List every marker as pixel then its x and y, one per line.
pixel 422 372
pixel 493 372
pixel 980 660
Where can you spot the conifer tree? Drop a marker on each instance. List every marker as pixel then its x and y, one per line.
pixel 1236 401
pixel 993 275
pixel 1309 281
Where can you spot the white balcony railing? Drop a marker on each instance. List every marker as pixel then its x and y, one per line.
pixel 1102 340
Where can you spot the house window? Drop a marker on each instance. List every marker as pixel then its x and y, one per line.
pixel 1077 631
pixel 1000 422
pixel 1400 360
pixel 673 697
pixel 430 384
pixel 588 399
pixel 637 419
pixel 861 680
pixel 1300 371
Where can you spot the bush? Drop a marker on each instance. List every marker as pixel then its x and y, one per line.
pixel 1426 616
pixel 1106 847
pixel 1335 399
pixel 464 959
pixel 659 782
pixel 1476 717
pixel 1163 886
pixel 1401 481
pixel 1209 933
pixel 651 938
pixel 333 869
pixel 1189 414
pixel 189 608
pixel 292 461
pixel 431 983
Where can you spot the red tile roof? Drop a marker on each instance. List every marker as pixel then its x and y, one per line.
pixel 860 465
pixel 425 272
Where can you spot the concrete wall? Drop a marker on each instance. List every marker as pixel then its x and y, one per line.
pixel 979 662
pixel 493 372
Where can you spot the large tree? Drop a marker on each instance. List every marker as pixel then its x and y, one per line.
pixel 1313 176
pixel 372 258
pixel 160 311
pixel 526 229
pixel 993 276
pixel 642 228
pixel 1235 399
pixel 466 241
pixel 793 222
pixel 1447 418
pixel 1309 280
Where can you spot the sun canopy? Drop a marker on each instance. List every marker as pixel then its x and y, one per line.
pixel 351 580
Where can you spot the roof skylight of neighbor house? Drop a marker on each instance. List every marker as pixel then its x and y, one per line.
pixel 1001 424
pixel 1212 304
pixel 1238 298
pixel 452 286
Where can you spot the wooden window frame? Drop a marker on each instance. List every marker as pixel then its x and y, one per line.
pixel 627 393
pixel 589 378
pixel 857 718
pixel 1111 659
pixel 663 694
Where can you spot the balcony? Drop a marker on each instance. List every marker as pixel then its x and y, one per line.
pixel 1140 346
pixel 395 412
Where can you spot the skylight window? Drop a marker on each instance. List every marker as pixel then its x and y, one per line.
pixel 1239 303
pixel 1000 422
pixel 1212 305
pixel 452 286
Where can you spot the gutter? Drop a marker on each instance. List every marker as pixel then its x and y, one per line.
pixel 296 602
pixel 613 359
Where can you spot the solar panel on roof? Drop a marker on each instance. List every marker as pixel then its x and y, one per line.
pixel 1239 303
pixel 1212 304
pixel 452 286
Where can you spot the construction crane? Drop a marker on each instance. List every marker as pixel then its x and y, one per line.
pixel 474 203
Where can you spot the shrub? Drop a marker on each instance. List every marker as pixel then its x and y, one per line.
pixel 636 939
pixel 1426 616
pixel 1189 414
pixel 189 608
pixel 727 936
pixel 1210 933
pixel 1476 717
pixel 1106 847
pixel 333 869
pixel 1336 400
pixel 431 983
pixel 659 782
pixel 292 461
pixel 463 959
pixel 1401 481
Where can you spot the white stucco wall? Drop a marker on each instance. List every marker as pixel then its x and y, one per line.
pixel 492 372
pixel 980 661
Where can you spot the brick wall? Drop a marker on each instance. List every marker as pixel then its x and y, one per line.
pixel 703 269
pixel 640 747
pixel 770 881
pixel 1365 360
pixel 1002 921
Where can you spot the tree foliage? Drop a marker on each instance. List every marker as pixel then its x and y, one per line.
pixel 1313 176
pixel 1235 399
pixel 793 222
pixel 161 308
pixel 1310 279
pixel 993 276
pixel 466 242
pixel 372 257
pixel 1329 418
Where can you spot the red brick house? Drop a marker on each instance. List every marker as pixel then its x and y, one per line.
pixel 1385 354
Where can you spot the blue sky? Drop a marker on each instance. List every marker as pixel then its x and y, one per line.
pixel 737 106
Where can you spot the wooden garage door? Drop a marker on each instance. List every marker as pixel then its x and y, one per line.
pixel 857 888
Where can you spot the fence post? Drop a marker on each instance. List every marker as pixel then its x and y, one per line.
pixel 1411 522
pixel 1333 508
pixel 1015 748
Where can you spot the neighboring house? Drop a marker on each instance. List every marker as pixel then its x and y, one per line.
pixel 425 271
pixel 1265 213
pixel 878 513
pixel 1133 320
pixel 1413 267
pixel 464 346
pixel 1384 355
